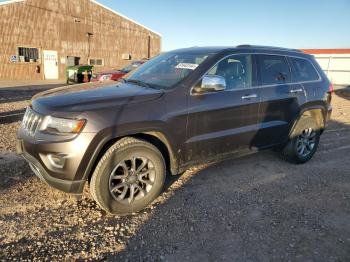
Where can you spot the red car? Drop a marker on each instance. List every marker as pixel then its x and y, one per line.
pixel 116 74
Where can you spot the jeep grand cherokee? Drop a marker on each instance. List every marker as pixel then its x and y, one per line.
pixel 179 109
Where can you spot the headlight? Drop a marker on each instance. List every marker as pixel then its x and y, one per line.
pixel 62 126
pixel 106 77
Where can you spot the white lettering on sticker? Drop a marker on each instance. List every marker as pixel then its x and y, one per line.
pixel 187 66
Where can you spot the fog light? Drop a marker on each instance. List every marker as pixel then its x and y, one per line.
pixel 57 160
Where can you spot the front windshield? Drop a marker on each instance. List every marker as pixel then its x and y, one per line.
pixel 167 69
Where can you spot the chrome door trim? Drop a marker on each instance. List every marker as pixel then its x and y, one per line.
pixel 250 96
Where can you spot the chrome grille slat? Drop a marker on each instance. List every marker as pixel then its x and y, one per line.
pixel 37 122
pixel 31 122
pixel 29 118
pixel 25 119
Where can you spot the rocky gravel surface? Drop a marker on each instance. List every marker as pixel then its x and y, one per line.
pixel 13 106
pixel 255 208
pixel 8 137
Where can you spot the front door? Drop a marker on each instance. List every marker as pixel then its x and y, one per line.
pixel 223 122
pixel 50 64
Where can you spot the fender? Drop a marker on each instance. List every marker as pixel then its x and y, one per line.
pixel 174 164
pixel 105 138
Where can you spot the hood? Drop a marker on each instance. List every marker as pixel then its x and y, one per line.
pixel 73 100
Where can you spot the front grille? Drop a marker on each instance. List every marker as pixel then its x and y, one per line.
pixel 31 122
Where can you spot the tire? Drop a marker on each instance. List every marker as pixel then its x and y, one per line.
pixel 306 135
pixel 119 184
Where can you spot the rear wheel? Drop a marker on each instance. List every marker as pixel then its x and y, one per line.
pixel 304 142
pixel 128 177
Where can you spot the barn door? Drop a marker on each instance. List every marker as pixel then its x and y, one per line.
pixel 50 64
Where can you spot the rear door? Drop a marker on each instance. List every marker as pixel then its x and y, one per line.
pixel 280 99
pixel 304 72
pixel 223 122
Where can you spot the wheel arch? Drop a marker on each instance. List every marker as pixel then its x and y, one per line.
pixel 316 112
pixel 160 141
pixel 156 138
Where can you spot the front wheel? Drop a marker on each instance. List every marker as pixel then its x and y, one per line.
pixel 304 143
pixel 128 177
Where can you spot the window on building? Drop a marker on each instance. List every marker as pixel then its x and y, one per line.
pixel 303 70
pixel 96 62
pixel 73 60
pixel 28 54
pixel 274 69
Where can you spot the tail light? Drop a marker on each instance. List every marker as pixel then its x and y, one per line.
pixel 329 94
pixel 331 88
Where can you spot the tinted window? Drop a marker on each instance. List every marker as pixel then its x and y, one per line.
pixel 274 69
pixel 28 54
pixel 237 71
pixel 303 70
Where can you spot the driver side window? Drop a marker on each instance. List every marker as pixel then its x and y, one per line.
pixel 237 71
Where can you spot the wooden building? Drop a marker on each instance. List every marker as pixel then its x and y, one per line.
pixel 40 38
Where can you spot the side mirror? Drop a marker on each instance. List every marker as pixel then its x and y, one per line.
pixel 211 83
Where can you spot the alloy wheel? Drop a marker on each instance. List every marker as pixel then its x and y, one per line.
pixel 306 142
pixel 132 179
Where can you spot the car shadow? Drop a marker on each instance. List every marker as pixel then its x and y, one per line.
pixel 9 117
pixel 344 93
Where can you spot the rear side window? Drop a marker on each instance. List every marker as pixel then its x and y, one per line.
pixel 303 70
pixel 274 69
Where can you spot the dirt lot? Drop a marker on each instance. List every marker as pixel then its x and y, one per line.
pixel 256 208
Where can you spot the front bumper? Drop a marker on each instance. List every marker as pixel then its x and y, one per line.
pixel 72 187
pixel 70 174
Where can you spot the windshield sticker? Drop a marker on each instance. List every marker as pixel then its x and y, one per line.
pixel 187 66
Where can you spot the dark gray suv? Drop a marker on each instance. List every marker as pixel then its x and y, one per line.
pixel 180 109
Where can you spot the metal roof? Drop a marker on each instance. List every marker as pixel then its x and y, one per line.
pixel 99 4
pixel 326 51
pixel 115 12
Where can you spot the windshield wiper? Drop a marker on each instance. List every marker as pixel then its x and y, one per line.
pixel 137 82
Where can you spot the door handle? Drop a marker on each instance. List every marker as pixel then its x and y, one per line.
pixel 294 91
pixel 246 97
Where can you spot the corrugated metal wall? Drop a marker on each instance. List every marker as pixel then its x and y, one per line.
pixel 336 66
pixel 62 25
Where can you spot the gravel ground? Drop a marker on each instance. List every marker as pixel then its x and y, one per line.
pixel 8 130
pixel 256 208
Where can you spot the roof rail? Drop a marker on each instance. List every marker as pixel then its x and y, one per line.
pixel 268 47
pixel 243 46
